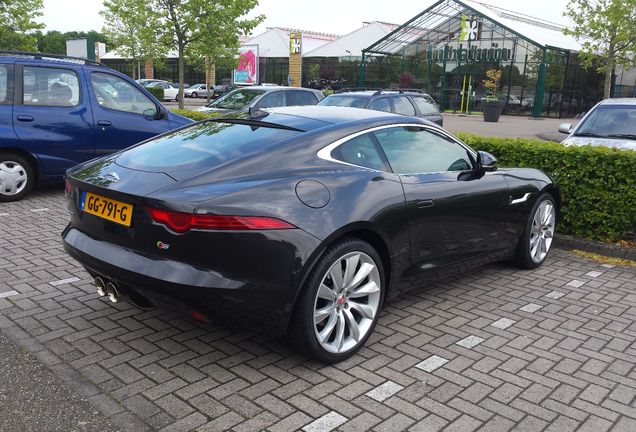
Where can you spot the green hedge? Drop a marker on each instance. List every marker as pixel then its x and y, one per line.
pixel 157 92
pixel 597 184
pixel 194 115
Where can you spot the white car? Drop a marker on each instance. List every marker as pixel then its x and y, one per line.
pixel 169 93
pixel 197 90
pixel 611 123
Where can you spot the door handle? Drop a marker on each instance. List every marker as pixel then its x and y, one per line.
pixel 425 203
pixel 103 123
pixel 25 118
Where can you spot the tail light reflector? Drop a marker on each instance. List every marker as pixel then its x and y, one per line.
pixel 183 222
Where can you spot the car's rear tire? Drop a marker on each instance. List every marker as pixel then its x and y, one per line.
pixel 195 95
pixel 536 239
pixel 340 303
pixel 16 177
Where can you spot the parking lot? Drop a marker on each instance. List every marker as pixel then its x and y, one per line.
pixel 495 349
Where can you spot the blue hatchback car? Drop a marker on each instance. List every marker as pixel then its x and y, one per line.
pixel 58 111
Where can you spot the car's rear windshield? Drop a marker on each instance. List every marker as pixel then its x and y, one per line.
pixel 347 101
pixel 237 99
pixel 200 146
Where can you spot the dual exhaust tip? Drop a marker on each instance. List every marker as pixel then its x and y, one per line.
pixel 108 288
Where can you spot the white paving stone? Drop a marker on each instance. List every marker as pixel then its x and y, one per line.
pixel 576 283
pixel 384 391
pixel 326 423
pixel 64 281
pixel 431 363
pixel 555 295
pixel 4 214
pixel 470 342
pixel 593 274
pixel 531 308
pixel 604 265
pixel 8 294
pixel 39 210
pixel 503 323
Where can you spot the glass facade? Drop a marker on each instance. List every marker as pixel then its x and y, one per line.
pixel 448 49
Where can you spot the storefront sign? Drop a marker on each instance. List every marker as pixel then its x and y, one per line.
pixel 472 53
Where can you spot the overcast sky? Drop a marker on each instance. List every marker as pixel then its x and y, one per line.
pixel 327 16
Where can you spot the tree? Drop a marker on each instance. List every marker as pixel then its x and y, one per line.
pixel 184 25
pixel 607 30
pixel 54 42
pixel 16 21
pixel 127 28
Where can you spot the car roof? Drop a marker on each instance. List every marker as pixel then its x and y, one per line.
pixel 618 101
pixel 378 93
pixel 309 117
pixel 13 56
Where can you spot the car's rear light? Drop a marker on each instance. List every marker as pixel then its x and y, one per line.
pixel 183 222
pixel 67 189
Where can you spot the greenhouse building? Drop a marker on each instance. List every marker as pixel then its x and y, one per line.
pixel 447 50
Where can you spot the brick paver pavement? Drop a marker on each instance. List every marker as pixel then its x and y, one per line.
pixel 495 349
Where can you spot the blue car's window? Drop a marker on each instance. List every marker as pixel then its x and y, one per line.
pixel 381 104
pixel 4 85
pixel 200 146
pixel 116 94
pixel 348 101
pixel 52 87
pixel 403 106
pixel 417 150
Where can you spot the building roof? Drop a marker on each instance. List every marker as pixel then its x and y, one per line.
pixel 351 44
pixel 440 23
pixel 275 41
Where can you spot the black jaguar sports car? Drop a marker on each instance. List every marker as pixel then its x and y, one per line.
pixel 300 221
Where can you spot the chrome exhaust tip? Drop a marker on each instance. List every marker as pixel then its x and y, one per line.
pixel 101 286
pixel 115 295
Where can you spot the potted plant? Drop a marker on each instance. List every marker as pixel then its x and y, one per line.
pixel 490 103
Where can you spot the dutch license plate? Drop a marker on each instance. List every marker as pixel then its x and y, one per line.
pixel 107 208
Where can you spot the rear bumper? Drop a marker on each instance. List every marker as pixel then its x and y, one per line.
pixel 239 302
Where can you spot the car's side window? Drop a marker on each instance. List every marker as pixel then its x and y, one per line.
pixel 403 106
pixel 298 97
pixel 382 104
pixel 52 87
pixel 419 150
pixel 116 94
pixel 6 84
pixel 273 99
pixel 426 106
pixel 362 151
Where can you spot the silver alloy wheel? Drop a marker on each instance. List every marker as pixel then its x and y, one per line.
pixel 542 231
pixel 13 178
pixel 347 302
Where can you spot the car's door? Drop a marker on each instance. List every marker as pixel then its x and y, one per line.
pixel 123 116
pixel 455 212
pixel 9 139
pixel 52 116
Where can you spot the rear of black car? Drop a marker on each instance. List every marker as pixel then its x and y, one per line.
pixel 142 220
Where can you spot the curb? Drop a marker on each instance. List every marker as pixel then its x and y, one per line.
pixel 566 242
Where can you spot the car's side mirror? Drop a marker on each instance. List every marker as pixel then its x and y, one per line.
pixel 565 128
pixel 486 161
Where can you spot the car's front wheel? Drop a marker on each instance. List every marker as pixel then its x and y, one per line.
pixel 340 303
pixel 536 239
pixel 195 95
pixel 16 177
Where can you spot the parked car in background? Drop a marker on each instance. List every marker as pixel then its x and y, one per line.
pixel 195 91
pixel 169 93
pixel 262 97
pixel 409 102
pixel 222 90
pixel 58 111
pixel 611 123
pixel 176 85
pixel 300 221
